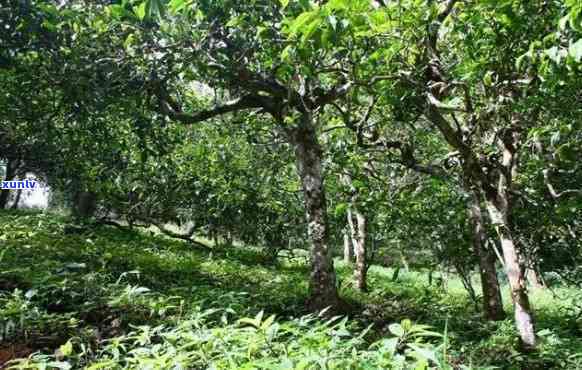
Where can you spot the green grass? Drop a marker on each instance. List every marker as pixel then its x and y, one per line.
pixel 112 299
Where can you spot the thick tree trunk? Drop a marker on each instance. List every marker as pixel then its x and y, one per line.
pixel 524 320
pixel 522 309
pixel 10 173
pixel 492 302
pixel 309 156
pixel 347 247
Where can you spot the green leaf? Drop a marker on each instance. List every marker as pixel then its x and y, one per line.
pixel 66 349
pixel 248 320
pixel 340 209
pixel 396 329
pixel 59 365
pixel 286 53
pixel 149 9
pixel 332 21
pixel 406 324
pixel 563 22
pixel 425 353
pixel 488 78
pixel 129 41
pixel 338 4
pixel 284 3
pixel 140 11
pixel 300 22
pixel 310 30
pixel 102 365
pixel 176 6
pixel 268 322
pixel 116 10
pixel 388 346
pixel 155 9
pixel 575 50
pixel 555 54
pixel 259 316
pixel 358 184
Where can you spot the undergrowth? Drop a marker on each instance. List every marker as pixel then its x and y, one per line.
pixel 103 298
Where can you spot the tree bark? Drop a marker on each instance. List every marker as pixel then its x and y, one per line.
pixel 361 271
pixel 347 247
pixel 309 157
pixel 358 232
pixel 492 302
pixel 515 274
pixel 498 207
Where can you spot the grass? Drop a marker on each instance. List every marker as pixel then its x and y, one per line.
pixel 113 299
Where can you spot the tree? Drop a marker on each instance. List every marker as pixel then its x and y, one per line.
pixel 260 75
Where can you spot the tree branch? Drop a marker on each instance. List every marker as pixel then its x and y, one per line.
pixel 243 103
pixel 436 26
pixel 557 195
pixel 332 95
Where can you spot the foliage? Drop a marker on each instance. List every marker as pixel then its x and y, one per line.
pixel 103 306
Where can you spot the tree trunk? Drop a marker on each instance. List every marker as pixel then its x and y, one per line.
pixel 228 239
pixel 16 199
pixel 404 261
pixel 492 302
pixel 84 206
pixel 465 276
pixel 533 272
pixel 358 232
pixel 309 156
pixel 347 247
pixel 534 278
pixel 524 321
pixel 361 271
pixel 10 173
pixel 352 230
pixel 4 194
pixel 396 273
pixel 499 208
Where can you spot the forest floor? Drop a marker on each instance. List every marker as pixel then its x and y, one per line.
pixel 105 298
